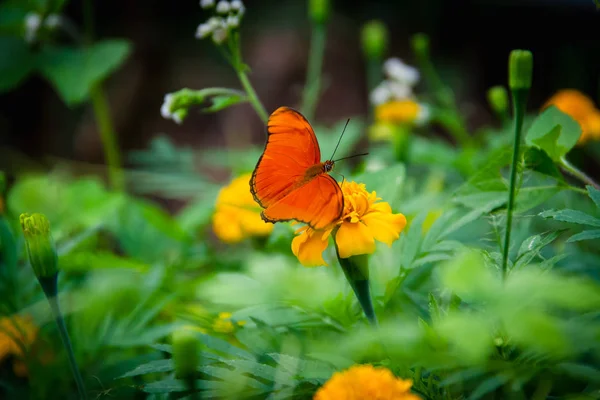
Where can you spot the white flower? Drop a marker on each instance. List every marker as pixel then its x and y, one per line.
pixel 233 21
pixel 223 7
pixel 52 21
pixel 203 31
pixel 399 90
pixel 380 94
pixel 374 164
pixel 395 69
pixel 219 35
pixel 165 109
pixel 177 117
pixel 215 22
pixel 238 6
pixel 207 3
pixel 32 24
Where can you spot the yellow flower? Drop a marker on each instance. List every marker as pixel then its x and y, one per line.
pixel 365 382
pixel 224 324
pixel 237 216
pixel 581 108
pixel 17 334
pixel 397 111
pixel 364 220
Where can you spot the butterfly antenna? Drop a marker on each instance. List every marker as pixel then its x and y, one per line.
pixel 352 156
pixel 340 139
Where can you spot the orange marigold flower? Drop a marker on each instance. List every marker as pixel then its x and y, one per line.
pixel 237 216
pixel 17 334
pixel 364 220
pixel 581 108
pixel 365 382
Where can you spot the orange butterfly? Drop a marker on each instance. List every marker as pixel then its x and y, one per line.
pixel 290 182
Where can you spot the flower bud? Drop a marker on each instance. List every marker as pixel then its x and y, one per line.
pixel 497 97
pixel 374 38
pixel 40 245
pixel 420 45
pixel 520 69
pixel 319 10
pixel 185 353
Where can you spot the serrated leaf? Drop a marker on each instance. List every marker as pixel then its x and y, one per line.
pixel 165 386
pixel 74 71
pixel 554 132
pixel 222 346
pixel 151 367
pixel 594 194
pixel 572 216
pixel 585 235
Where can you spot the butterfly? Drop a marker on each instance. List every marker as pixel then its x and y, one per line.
pixel 290 182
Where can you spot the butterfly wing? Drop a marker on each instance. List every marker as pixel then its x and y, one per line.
pixel 291 149
pixel 318 203
pixel 279 182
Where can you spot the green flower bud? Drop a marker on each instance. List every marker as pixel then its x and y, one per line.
pixel 40 245
pixel 420 45
pixel 319 10
pixel 185 353
pixel 520 69
pixel 497 97
pixel 374 38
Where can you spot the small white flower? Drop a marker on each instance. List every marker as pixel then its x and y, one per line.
pixel 52 21
pixel 177 117
pixel 237 5
pixel 395 69
pixel 215 22
pixel 165 109
pixel 223 7
pixel 380 94
pixel 203 31
pixel 219 35
pixel 233 21
pixel 374 164
pixel 32 24
pixel 399 90
pixel 424 114
pixel 207 3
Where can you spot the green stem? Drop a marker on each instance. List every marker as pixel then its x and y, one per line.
pixel 519 101
pixel 112 154
pixel 374 76
pixel 191 384
pixel 575 172
pixel 312 87
pixel 50 287
pixel 252 96
pixel 356 270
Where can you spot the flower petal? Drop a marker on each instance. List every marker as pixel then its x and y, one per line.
pixel 385 227
pixel 309 247
pixel 354 239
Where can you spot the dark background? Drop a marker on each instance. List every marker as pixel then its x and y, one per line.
pixel 470 45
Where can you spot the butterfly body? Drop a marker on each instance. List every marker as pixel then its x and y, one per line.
pixel 290 182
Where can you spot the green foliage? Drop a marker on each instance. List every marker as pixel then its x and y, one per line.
pixel 554 132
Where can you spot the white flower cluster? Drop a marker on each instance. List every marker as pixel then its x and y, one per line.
pixel 33 23
pixel 399 83
pixel 229 15
pixel 166 109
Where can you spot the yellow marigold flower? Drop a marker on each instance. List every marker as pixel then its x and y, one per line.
pixel 237 216
pixel 398 111
pixel 365 382
pixel 581 108
pixel 364 220
pixel 224 323
pixel 17 334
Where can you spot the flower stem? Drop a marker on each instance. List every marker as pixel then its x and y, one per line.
pixel 112 154
pixel 575 172
pixel 312 87
pixel 519 101
pixel 356 270
pixel 50 287
pixel 252 96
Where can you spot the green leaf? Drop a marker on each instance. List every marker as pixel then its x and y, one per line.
pixel 222 102
pixel 15 68
pixel 554 132
pixel 487 386
pixel 594 194
pixel 585 235
pixel 579 371
pixel 537 160
pixel 152 366
pixel 165 386
pixel 73 72
pixel 572 216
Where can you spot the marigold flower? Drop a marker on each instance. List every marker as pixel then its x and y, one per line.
pixel 237 216
pixel 398 111
pixel 581 108
pixel 17 334
pixel 365 382
pixel 363 221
